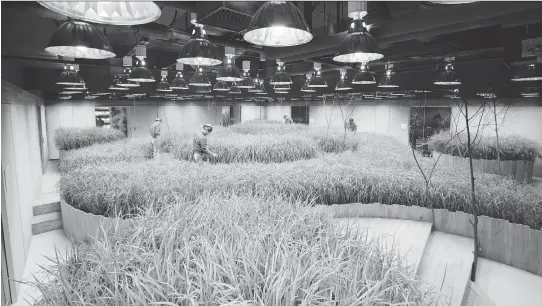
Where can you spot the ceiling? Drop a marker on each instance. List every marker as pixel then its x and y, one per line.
pixel 484 37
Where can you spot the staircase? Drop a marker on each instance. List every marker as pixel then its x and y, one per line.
pixel 46 206
pixel 443 261
pixel 47 216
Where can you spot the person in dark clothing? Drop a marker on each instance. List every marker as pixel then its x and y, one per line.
pixel 351 126
pixel 200 144
pixel 288 120
pixel 155 133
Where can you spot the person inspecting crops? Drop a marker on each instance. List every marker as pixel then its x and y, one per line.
pixel 155 133
pixel 288 120
pixel 351 126
pixel 200 144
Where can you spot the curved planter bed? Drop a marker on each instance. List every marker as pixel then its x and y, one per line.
pixel 512 244
pixel 520 170
pixel 82 226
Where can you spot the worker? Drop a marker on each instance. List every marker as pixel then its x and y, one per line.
pixel 155 133
pixel 288 120
pixel 200 144
pixel 351 126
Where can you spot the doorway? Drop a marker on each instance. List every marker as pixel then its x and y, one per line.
pixel 41 139
pixel 426 122
pixel 300 114
pixel 112 118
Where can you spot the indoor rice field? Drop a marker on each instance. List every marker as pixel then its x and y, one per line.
pixel 246 153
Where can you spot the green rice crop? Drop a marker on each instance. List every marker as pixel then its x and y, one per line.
pixel 75 138
pixel 512 147
pixel 123 150
pixel 234 251
pixel 260 127
pixel 234 148
pixel 128 188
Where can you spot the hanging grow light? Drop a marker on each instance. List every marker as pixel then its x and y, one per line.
pixel 247 81
pixel 123 82
pixel 221 86
pixel 364 77
pixel 199 51
pixel 343 85
pixel 179 83
pixel 305 87
pixel 281 77
pixel 70 77
pixel 234 89
pixel 317 81
pixel 278 24
pixel 79 39
pixel 531 72
pixel 141 73
pixel 386 81
pixel 448 76
pixel 229 73
pixel 112 12
pixel 258 87
pixel 199 78
pixel 487 93
pixel 358 45
pixel 163 86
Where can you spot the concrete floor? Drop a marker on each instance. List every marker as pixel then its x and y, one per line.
pixel 506 285
pixel 49 179
pixel 42 249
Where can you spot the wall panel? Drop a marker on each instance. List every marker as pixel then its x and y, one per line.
pixel 21 173
pixel 52 122
pixel 65 116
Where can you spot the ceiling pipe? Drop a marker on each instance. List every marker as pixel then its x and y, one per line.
pixel 186 6
pixel 173 35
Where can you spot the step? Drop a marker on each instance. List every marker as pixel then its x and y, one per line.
pixel 46 203
pixel 476 296
pixel 46 223
pixel 445 267
pixel 407 237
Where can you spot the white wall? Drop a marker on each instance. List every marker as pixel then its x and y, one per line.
pixel 277 111
pixel 383 119
pixel 252 112
pixel 67 115
pixel 21 172
pixel 176 117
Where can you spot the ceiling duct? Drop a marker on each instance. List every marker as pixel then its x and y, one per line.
pixel 233 16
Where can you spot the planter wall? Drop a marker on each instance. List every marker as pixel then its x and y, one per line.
pixel 512 244
pixel 81 226
pixel 520 170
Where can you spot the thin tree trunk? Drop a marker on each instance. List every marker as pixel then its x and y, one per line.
pixel 473 198
pixel 497 134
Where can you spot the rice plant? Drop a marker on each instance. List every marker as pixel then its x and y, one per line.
pixel 123 150
pixel 129 188
pixel 233 251
pixel 260 127
pixel 512 147
pixel 236 148
pixel 75 138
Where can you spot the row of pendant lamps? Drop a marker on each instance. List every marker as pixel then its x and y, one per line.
pixel 229 73
pixel 275 24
